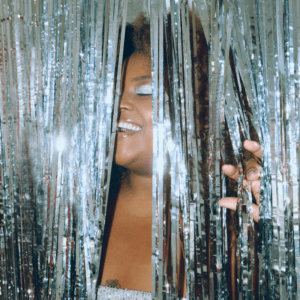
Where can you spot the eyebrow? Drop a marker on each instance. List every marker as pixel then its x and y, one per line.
pixel 141 78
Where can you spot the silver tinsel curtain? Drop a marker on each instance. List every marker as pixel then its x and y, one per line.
pixel 60 70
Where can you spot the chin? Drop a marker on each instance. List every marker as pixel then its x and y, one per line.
pixel 135 159
pixel 126 155
pixel 123 159
pixel 140 167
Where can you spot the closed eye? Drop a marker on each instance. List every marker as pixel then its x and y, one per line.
pixel 144 90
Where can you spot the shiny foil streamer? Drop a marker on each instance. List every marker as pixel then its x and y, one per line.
pixel 60 70
pixel 58 66
pixel 217 45
pixel 159 239
pixel 263 54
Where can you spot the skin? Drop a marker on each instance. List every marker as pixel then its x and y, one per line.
pixel 130 234
pixel 131 230
pixel 251 175
pixel 134 151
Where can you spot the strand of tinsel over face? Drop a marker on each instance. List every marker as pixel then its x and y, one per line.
pixel 158 197
pixel 53 140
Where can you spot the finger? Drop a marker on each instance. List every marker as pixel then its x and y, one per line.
pixel 255 188
pixel 255 212
pixel 246 185
pixel 253 147
pixel 255 185
pixel 231 171
pixel 230 202
pixel 252 170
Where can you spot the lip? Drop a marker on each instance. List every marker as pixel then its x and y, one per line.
pixel 127 133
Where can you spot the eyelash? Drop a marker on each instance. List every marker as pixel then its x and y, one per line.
pixel 143 94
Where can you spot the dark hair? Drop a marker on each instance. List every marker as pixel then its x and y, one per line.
pixel 137 37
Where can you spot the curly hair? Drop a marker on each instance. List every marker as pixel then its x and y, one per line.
pixel 137 37
pixel 137 41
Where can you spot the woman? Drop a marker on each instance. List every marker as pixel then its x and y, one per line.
pixel 126 259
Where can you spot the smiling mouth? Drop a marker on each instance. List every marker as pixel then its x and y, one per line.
pixel 128 127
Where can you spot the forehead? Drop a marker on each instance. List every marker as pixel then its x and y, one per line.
pixel 137 66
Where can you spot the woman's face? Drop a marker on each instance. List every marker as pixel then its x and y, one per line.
pixel 135 138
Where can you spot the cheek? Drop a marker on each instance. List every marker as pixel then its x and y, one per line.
pixel 139 147
pixel 146 112
pixel 149 127
pixel 148 139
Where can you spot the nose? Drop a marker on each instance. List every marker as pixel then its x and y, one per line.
pixel 126 102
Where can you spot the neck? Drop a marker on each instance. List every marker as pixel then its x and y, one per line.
pixel 136 195
pixel 138 184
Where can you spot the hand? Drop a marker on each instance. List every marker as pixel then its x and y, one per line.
pixel 251 174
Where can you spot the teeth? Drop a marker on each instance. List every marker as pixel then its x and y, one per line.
pixel 128 126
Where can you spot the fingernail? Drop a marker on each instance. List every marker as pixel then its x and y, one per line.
pixel 251 173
